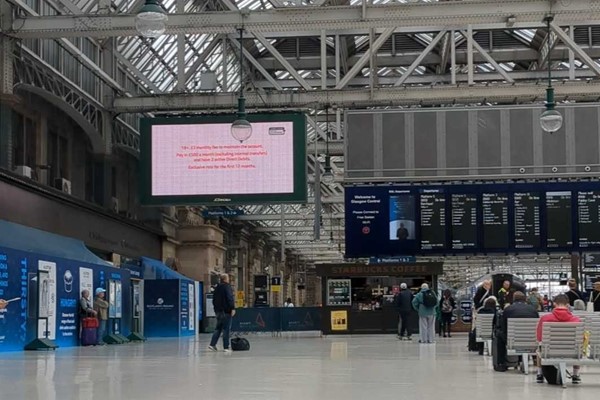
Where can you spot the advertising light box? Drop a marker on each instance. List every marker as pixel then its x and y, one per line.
pixel 197 160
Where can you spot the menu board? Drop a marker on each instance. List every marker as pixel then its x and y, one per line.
pixel 558 219
pixel 527 220
pixel 433 219
pixel 464 221
pixel 339 292
pixel 588 215
pixel 495 220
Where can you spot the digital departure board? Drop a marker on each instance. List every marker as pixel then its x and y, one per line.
pixel 433 219
pixel 495 220
pixel 588 216
pixel 527 220
pixel 559 220
pixel 420 219
pixel 464 221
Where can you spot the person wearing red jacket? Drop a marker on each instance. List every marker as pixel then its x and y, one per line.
pixel 561 313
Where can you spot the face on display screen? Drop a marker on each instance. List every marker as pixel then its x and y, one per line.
pixel 205 159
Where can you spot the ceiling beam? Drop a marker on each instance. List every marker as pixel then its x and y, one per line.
pixel 357 98
pixel 409 17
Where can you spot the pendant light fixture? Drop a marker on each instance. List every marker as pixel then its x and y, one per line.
pixel 551 120
pixel 151 20
pixel 241 129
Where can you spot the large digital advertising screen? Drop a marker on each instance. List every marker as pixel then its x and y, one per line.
pixel 472 218
pixel 197 160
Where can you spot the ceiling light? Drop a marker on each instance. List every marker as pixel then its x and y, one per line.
pixel 151 21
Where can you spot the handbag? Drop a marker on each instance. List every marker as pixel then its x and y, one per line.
pixel 590 304
pixel 90 323
pixel 240 344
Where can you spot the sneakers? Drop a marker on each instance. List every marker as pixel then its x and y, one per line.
pixel 540 379
pixel 409 338
pixel 212 348
pixel 227 351
pixel 576 379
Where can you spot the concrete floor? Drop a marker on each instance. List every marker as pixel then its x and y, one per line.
pixel 286 368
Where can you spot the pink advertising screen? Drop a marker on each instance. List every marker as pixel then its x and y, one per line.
pixel 205 159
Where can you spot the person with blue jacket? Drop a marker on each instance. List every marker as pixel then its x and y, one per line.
pixel 425 303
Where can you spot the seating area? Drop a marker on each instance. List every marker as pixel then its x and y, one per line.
pixel 484 326
pixel 563 344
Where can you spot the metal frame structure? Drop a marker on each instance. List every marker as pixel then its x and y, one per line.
pixel 299 54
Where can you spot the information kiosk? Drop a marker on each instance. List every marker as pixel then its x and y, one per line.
pixel 358 298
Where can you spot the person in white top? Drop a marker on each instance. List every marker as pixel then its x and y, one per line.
pixel 288 303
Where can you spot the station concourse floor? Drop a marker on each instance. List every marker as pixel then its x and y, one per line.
pixel 276 368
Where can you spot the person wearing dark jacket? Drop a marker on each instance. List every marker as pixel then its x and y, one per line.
pixel 596 296
pixel 574 293
pixel 518 309
pixel 404 306
pixel 482 294
pixel 447 306
pixel 224 305
pixel 489 307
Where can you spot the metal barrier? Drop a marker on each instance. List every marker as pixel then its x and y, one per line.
pixel 284 319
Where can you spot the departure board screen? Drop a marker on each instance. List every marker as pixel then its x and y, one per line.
pixel 558 219
pixel 433 219
pixel 495 220
pixel 464 221
pixel 527 220
pixel 471 218
pixel 588 216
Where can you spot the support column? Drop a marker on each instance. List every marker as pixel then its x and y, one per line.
pixel 6 87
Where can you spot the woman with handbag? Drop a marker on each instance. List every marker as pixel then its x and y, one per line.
pixel 87 317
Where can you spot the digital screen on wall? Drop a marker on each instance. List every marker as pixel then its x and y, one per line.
pixel 197 160
pixel 472 218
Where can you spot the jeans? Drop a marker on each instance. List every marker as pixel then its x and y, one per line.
pixel 404 323
pixel 101 331
pixel 223 326
pixel 446 323
pixel 427 328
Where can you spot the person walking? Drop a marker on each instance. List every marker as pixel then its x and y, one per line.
pixel 404 306
pixel 535 300
pixel 595 297
pixel 483 293
pixel 224 305
pixel 288 303
pixel 447 306
pixel 101 308
pixel 574 293
pixel 425 303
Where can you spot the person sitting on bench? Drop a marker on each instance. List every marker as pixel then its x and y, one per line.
pixel 561 313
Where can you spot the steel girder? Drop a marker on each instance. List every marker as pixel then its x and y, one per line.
pixel 31 70
pixel 405 17
pixel 360 98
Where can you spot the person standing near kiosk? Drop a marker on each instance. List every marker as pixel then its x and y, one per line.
pixel 425 302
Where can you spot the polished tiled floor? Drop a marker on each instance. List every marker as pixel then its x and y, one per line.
pixel 286 368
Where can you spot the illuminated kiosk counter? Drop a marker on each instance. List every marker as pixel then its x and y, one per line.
pixel 358 298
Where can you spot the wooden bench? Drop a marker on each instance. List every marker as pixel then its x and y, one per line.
pixel 484 326
pixel 521 339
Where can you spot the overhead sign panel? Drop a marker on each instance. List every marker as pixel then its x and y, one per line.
pixel 387 221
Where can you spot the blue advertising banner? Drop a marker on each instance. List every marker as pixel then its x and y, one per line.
pixel 256 320
pixel 13 300
pixel 300 319
pixel 184 308
pixel 161 308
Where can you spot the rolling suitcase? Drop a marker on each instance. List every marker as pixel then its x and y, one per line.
pixel 89 329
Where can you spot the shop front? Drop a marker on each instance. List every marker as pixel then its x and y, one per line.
pixel 359 298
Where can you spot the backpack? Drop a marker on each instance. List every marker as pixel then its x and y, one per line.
pixel 240 344
pixel 446 306
pixel 534 301
pixel 429 299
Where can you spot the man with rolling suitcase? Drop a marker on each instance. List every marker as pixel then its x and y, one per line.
pixel 224 304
